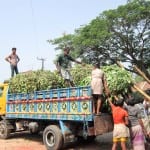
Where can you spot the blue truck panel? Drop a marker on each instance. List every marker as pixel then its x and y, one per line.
pixel 73 103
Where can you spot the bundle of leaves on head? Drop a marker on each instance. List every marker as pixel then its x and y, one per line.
pixel 118 79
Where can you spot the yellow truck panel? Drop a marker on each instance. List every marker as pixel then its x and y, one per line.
pixel 3 95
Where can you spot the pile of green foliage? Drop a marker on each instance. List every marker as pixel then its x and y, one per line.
pixel 118 79
pixel 81 75
pixel 35 81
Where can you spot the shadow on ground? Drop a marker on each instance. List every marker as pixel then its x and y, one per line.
pixel 102 142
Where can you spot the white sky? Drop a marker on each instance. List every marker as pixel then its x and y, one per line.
pixel 28 24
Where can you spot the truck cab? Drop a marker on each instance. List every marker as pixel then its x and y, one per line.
pixel 3 95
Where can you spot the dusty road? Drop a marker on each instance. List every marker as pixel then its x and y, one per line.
pixel 26 141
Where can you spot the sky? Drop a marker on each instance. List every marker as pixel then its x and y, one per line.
pixel 28 24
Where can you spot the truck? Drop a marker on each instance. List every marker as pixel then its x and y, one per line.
pixel 62 115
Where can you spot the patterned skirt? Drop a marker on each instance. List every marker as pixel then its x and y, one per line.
pixel 137 138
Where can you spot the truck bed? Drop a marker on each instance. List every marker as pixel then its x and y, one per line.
pixel 73 103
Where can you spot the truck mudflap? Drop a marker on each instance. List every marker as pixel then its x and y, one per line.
pixel 102 124
pixel 68 134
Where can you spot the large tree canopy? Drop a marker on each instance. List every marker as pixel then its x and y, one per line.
pixel 121 34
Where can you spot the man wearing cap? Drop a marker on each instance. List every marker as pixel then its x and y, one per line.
pixel 63 66
pixel 13 59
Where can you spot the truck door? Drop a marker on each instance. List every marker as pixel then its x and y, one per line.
pixel 2 100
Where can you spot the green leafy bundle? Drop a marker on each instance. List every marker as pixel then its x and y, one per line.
pixel 118 79
pixel 81 75
pixel 35 81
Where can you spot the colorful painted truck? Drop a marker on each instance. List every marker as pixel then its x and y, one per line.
pixel 63 115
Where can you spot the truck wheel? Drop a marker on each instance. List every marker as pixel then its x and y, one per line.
pixel 4 130
pixel 53 138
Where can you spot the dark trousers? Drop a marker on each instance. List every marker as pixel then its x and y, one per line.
pixel 14 69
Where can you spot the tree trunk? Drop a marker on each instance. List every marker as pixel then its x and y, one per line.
pixel 143 69
pixel 142 74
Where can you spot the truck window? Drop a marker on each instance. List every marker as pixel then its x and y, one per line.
pixel 1 91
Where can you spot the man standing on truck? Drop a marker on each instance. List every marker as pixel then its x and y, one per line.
pixel 13 59
pixel 63 66
pixel 98 85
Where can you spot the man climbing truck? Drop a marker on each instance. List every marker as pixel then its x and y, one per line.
pixel 63 115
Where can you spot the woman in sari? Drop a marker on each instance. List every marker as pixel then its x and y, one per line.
pixel 137 129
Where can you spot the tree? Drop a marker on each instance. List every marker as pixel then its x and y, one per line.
pixel 120 34
pixel 130 28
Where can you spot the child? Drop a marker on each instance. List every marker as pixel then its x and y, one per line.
pixel 120 118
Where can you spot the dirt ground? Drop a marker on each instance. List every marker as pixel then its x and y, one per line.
pixel 26 141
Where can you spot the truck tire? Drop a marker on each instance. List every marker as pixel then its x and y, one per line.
pixel 53 138
pixel 4 130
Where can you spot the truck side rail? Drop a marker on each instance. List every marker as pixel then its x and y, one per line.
pixel 73 103
pixel 52 94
